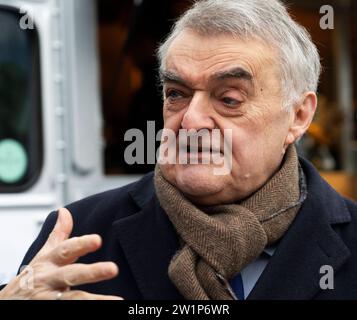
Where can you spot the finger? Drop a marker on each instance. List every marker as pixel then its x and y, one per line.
pixel 82 295
pixel 78 274
pixel 70 250
pixel 61 230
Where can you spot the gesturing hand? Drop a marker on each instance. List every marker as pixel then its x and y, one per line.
pixel 53 271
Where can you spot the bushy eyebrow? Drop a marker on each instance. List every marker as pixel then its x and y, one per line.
pixel 169 76
pixel 235 73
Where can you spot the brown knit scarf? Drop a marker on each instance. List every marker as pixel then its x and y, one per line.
pixel 220 242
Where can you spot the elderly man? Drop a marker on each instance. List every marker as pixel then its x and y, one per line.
pixel 271 228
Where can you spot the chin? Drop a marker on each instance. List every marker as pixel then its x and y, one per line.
pixel 198 180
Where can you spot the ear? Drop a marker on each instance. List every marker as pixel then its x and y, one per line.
pixel 301 117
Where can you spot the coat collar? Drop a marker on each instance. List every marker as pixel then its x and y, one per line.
pixel 310 243
pixel 149 242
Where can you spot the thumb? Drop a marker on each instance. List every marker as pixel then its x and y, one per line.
pixel 62 228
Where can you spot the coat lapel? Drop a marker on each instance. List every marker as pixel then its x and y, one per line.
pixel 149 242
pixel 293 272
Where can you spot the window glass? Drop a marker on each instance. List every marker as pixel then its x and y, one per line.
pixel 20 104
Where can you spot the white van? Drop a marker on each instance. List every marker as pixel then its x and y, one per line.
pixel 50 120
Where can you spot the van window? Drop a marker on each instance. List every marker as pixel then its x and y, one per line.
pixel 21 146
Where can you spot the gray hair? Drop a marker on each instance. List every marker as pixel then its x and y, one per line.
pixel 266 19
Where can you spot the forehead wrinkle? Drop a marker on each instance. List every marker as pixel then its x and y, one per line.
pixel 197 65
pixel 246 49
pixel 222 62
pixel 217 57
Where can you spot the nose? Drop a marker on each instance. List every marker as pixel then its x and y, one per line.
pixel 197 115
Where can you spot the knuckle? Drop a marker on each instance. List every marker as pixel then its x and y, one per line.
pixel 67 248
pixel 70 280
pixel 67 282
pixel 64 252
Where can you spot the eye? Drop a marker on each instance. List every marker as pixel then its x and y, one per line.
pixel 230 102
pixel 173 95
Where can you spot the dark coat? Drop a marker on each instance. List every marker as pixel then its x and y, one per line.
pixel 140 239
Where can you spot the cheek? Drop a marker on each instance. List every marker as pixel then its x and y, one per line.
pixel 276 130
pixel 259 142
pixel 247 147
pixel 269 125
pixel 250 142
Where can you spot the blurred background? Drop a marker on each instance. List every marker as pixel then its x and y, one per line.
pixel 75 75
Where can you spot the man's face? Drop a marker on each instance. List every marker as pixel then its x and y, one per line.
pixel 225 83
